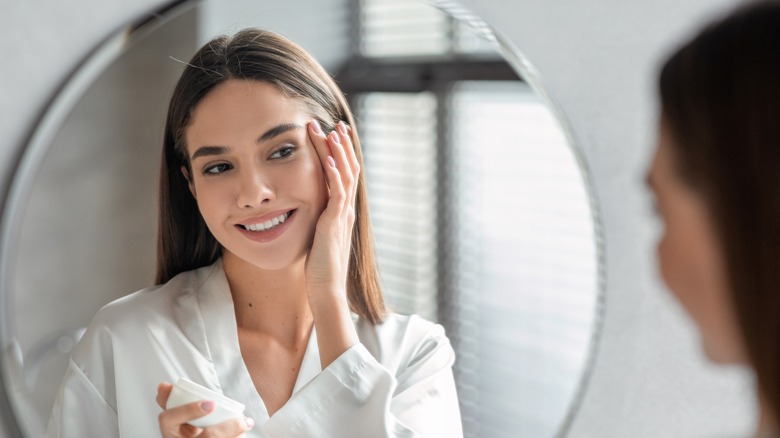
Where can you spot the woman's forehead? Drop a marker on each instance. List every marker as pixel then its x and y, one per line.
pixel 240 107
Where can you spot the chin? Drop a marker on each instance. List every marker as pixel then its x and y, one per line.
pixel 273 265
pixel 273 256
pixel 274 262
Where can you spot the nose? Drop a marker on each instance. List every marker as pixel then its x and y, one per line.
pixel 255 190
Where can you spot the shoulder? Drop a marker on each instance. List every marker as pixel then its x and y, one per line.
pixel 139 315
pixel 128 326
pixel 153 303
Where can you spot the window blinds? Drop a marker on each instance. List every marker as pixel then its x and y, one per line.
pixel 398 131
pixel 525 262
pixel 402 28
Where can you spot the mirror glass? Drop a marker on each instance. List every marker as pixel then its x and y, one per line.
pixel 480 202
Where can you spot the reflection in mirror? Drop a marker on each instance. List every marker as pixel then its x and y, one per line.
pixel 480 207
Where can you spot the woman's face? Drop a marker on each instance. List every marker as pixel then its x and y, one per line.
pixel 691 257
pixel 256 176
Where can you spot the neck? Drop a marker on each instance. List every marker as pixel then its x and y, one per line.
pixel 270 302
pixel 767 426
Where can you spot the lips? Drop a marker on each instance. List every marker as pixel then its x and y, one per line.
pixel 268 224
pixel 267 227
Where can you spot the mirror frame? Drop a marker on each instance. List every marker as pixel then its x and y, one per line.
pixel 31 152
pixel 29 157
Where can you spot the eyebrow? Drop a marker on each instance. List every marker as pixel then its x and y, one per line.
pixel 276 131
pixel 205 151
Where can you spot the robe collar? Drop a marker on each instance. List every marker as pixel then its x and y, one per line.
pixel 221 333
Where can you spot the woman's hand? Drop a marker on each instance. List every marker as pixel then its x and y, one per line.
pixel 328 262
pixel 173 422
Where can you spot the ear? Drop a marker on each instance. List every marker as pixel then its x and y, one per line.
pixel 191 186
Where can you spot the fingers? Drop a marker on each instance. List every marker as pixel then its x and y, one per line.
pixel 349 164
pixel 318 138
pixel 173 420
pixel 163 392
pixel 338 195
pixel 342 174
pixel 230 428
pixel 341 137
pixel 337 145
pixel 349 148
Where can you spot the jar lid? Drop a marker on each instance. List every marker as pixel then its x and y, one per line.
pixel 201 392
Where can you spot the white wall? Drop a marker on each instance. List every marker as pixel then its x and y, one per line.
pixel 599 58
pixel 328 43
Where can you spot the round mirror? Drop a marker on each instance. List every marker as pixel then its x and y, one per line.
pixel 480 201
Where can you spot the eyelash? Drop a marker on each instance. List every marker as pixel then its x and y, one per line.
pixel 209 171
pixel 287 151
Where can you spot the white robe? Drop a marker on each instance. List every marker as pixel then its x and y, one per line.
pixel 397 382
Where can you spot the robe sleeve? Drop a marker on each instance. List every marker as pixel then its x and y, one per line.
pixel 356 396
pixel 80 410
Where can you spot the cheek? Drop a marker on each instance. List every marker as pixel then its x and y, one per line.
pixel 692 266
pixel 669 263
pixel 683 267
pixel 685 249
pixel 210 200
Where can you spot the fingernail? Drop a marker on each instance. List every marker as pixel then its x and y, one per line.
pixel 336 137
pixel 207 406
pixel 343 127
pixel 316 125
pixel 250 423
pixel 331 162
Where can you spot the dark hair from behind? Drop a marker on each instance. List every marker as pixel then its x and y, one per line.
pixel 720 101
pixel 184 242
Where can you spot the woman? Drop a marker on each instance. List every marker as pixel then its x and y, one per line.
pixel 264 254
pixel 716 180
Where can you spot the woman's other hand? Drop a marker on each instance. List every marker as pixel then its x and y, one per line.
pixel 328 262
pixel 173 422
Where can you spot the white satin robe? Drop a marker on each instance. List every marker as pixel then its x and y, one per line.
pixel 397 382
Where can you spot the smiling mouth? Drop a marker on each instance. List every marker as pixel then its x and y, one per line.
pixel 269 224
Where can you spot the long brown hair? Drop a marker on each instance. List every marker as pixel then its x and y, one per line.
pixel 184 242
pixel 720 98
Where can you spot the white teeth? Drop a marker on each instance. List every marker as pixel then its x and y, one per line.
pixel 269 223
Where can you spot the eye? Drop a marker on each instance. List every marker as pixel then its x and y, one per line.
pixel 217 169
pixel 284 152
